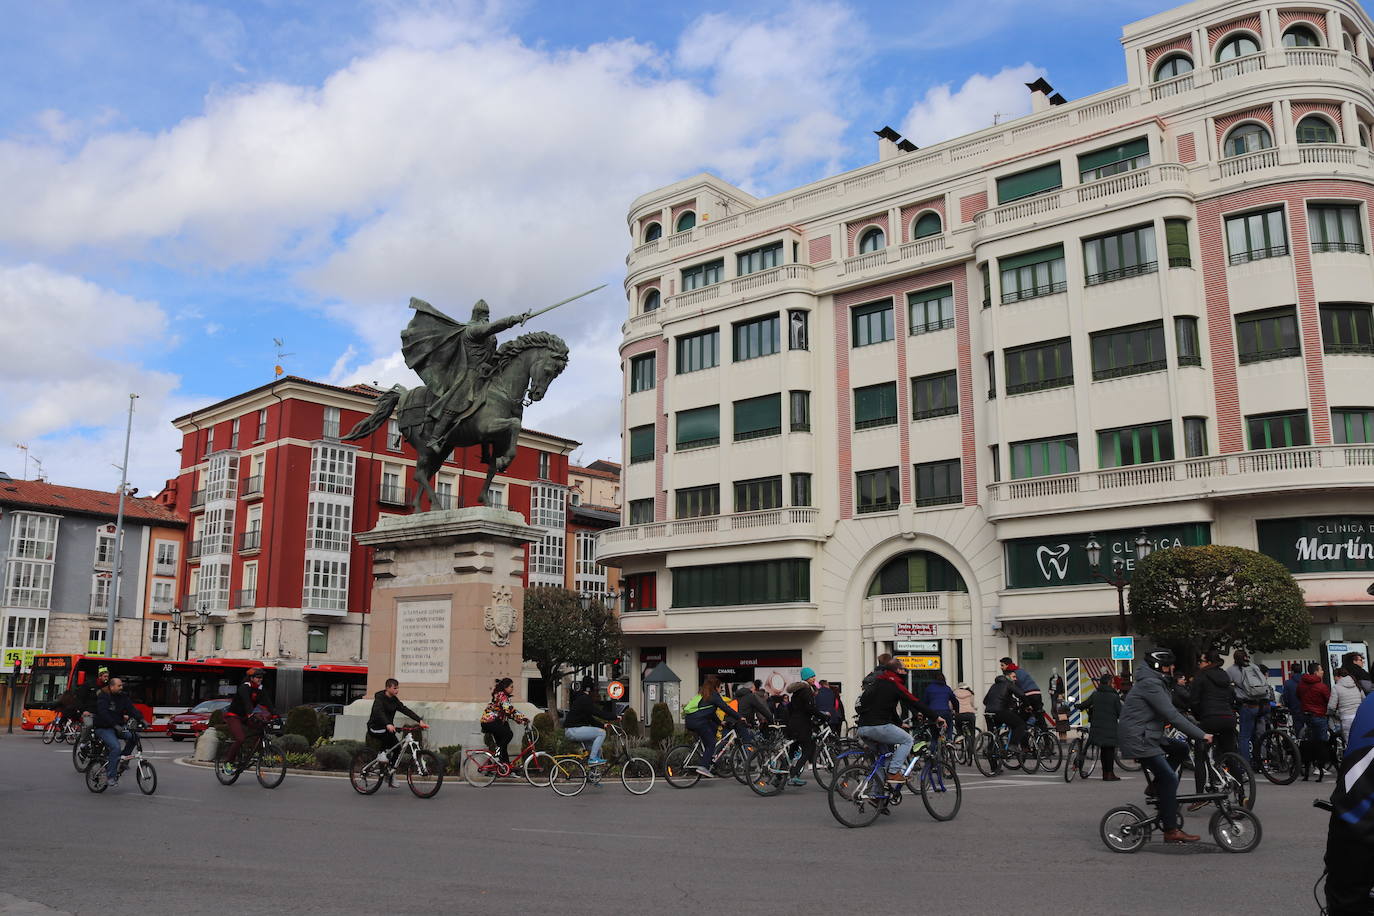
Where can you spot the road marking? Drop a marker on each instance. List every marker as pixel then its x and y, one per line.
pixel 616 836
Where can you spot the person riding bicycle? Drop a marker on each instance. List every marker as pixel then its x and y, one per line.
pixel 881 712
pixel 1212 701
pixel 243 706
pixel 495 718
pixel 1350 833
pixel 751 706
pixel 700 717
pixel 584 720
pixel 999 706
pixel 1032 702
pixel 802 718
pixel 113 710
pixel 68 710
pixel 381 723
pixel 940 697
pixel 1146 711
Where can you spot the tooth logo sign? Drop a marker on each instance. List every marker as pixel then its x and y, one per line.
pixel 1058 559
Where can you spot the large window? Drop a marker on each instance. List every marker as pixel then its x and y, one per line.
pixel 699 427
pixel 939 483
pixel 1040 180
pixel 1114 160
pixel 1268 334
pixel 736 584
pixel 1043 457
pixel 643 372
pixel 875 405
pixel 918 571
pixel 931 309
pixel 549 506
pixel 1300 36
pixel 877 491
pixel 1278 430
pixel 641 511
pixel 1316 129
pixel 1172 66
pixel 641 592
pixel 801 489
pixel 1185 335
pixel 1256 235
pixel 653 232
pixel 1237 46
pixel 642 443
pixel 755 338
pixel 28 583
pixel 1120 255
pixel 329 526
pixel 326 585
pixel 1128 351
pixel 33 536
pixel 1128 445
pixel 1248 138
pixel 749 262
pixel 872 323
pixel 873 239
pixel 652 300
pixel 756 418
pixel 1194 437
pixel 698 351
pixel 799 406
pixel 934 395
pixel 685 221
pixel 1033 274
pixel 331 423
pixel 1335 227
pixel 703 274
pixel 331 469
pixel 1347 329
pixel 1352 424
pixel 1177 243
pixel 1039 366
pixel 758 494
pixel 927 224
pixel 698 502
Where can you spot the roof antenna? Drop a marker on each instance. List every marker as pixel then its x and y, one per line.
pixel 281 357
pixel 38 469
pixel 25 449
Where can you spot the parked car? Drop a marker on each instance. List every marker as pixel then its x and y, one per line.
pixel 195 720
pixel 327 709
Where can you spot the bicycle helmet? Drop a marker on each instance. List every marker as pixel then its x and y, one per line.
pixel 1159 658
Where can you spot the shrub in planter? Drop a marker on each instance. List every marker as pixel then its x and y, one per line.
pixel 333 757
pixel 651 754
pixel 630 722
pixel 660 724
pixel 547 726
pixel 302 720
pixel 347 744
pixel 294 744
pixel 452 755
pixel 326 726
pixel 217 723
pixel 300 760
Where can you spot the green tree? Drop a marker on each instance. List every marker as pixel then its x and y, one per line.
pixel 1192 599
pixel 560 636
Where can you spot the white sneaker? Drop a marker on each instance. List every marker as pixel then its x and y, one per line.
pixel 705 773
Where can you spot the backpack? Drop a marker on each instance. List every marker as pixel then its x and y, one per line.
pixel 1254 685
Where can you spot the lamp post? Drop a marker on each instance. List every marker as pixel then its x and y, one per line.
pixel 199 620
pixel 309 635
pixel 1117 577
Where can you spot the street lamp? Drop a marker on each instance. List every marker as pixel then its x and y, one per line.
pixel 609 599
pixel 1117 578
pixel 309 635
pixel 197 622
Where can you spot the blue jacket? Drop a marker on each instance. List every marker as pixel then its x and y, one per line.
pixel 1025 683
pixel 111 709
pixel 1354 797
pixel 940 697
pixel 1290 695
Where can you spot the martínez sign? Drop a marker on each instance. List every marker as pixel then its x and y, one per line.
pixel 1333 543
pixel 1044 562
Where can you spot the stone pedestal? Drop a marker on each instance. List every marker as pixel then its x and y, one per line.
pixel 447 601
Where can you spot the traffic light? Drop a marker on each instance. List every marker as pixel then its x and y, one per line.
pixel 615 669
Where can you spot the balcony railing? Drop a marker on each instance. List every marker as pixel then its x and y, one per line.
pixel 1240 66
pixel 250 541
pixel 164 569
pixel 1249 162
pixel 157 648
pixel 251 486
pixel 767 525
pixel 394 496
pixel 246 597
pixel 100 605
pixel 1171 87
pixel 917 607
pixel 1311 57
pixel 866 261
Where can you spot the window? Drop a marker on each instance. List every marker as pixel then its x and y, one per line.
pixel 735 584
pixel 1129 445
pixel 393 435
pixel 1120 255
pixel 246 636
pixel 1033 274
pixel 916 572
pixel 1347 329
pixel 104 550
pixel 495 495
pixel 1128 351
pixel 756 338
pixel 698 351
pixel 685 221
pixel 995 457
pixel 1237 46
pixel 1194 437
pixel 756 418
pixel 1278 430
pixel 1256 235
pixel 986 273
pixel 1335 227
pixel 544 470
pixel 872 323
pixel 1185 335
pixel 642 443
pixel 1114 160
pixel 1316 129
pixel 1364 135
pixel 331 469
pixel 213 587
pixel 703 274
pixel 1248 138
pixel 643 372
pixel 1029 183
pixel 221 477
pixel 1269 334
pixel 758 494
pixel 326 585
pixel 248 594
pixel 698 502
pixel 1172 66
pixel 1177 243
pixel 878 491
pixel 191 643
pixel 1043 457
pixel 698 428
pixel 641 511
pixel 262 424
pixel 234 434
pixel 158 632
pixel 95 641
pixel 319 639
pixel 799 407
pixel 653 232
pixel 652 300
pixel 749 262
pixel 209 441
pixel 931 309
pixel 875 405
pixel 329 526
pixel 798 329
pixel 991 360
pixel 1300 36
pixel 164 597
pixel 393 488
pixel 939 483
pixel 641 592
pixel 1352 424
pixel 218 632
pixel 934 396
pixel 1039 366
pixel 217 532
pixel 927 224
pixel 801 489
pixel 548 506
pixel 331 423
pixel 873 239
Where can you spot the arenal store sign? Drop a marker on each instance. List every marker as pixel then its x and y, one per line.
pixel 1333 543
pixel 1043 562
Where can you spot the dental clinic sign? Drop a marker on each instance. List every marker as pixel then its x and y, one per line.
pixel 1333 543
pixel 1045 562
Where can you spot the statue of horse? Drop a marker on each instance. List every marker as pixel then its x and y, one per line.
pixel 521 374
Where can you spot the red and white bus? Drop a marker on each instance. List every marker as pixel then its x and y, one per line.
pixel 161 688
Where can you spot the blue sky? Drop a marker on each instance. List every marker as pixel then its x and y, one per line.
pixel 183 182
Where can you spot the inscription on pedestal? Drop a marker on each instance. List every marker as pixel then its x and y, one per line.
pixel 422 640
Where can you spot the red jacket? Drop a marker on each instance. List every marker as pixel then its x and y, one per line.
pixel 1313 695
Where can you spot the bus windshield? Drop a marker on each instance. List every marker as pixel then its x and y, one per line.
pixel 46 686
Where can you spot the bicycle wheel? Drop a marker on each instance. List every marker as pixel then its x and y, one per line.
pixel 81 752
pixel 366 773
pixel 1238 780
pixel 1129 764
pixel 1235 829
pixel 1047 748
pixel 1125 828
pixel 768 771
pixel 569 776
pixel 1030 759
pixel 480 768
pixel 851 796
pixel 425 774
pixel 50 732
pixel 726 764
pixel 1280 758
pixel 227 772
pixel 96 780
pixel 538 769
pixel 271 764
pixel 1075 760
pixel 985 756
pixel 679 767
pixel 940 792
pixel 146 777
pixel 637 776
pixel 1091 754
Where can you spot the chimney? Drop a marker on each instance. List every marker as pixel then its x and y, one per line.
pixel 907 146
pixel 1040 95
pixel 887 143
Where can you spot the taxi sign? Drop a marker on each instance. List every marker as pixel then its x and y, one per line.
pixel 615 690
pixel 1123 648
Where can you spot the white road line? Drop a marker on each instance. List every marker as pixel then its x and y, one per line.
pixel 616 836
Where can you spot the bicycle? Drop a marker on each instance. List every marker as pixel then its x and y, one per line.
pixel 574 772
pixel 731 759
pixel 60 730
pixel 860 791
pixel 481 768
pixel 963 744
pixel 1226 774
pixel 144 774
pixel 259 750
pixel 423 770
pixel 1043 751
pixel 1082 757
pixel 83 746
pixel 1280 755
pixel 995 750
pixel 1127 828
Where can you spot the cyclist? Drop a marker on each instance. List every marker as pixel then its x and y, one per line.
pixel 880 716
pixel 939 697
pixel 751 706
pixel 1104 710
pixel 584 720
pixel 495 718
pixel 802 716
pixel 700 717
pixel 1028 692
pixel 999 705
pixel 1350 835
pixel 69 710
pixel 242 706
pixel 385 704
pixel 113 709
pixel 1141 731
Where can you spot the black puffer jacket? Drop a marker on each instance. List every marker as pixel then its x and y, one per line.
pixel 801 709
pixel 1212 694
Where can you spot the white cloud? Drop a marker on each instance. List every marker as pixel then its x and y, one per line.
pixel 944 113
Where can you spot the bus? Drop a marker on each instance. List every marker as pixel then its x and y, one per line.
pixel 162 688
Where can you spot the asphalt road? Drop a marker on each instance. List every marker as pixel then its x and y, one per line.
pixel 1023 845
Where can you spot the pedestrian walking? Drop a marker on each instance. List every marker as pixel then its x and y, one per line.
pixel 496 718
pixel 837 720
pixel 1289 694
pixel 1314 697
pixel 1104 711
pixel 825 699
pixel 1345 700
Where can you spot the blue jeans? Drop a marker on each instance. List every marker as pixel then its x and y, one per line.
pixel 1317 728
pixel 1166 785
pixel 1251 730
pixel 584 733
pixel 111 739
pixel 894 735
pixel 705 728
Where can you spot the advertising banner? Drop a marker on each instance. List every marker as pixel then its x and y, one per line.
pixel 1333 543
pixel 1041 562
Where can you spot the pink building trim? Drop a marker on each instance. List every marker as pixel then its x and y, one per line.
pixel 678 211
pixel 912 211
pixel 1314 18
pixel 818 249
pixel 1251 23
pixel 971 206
pixel 1262 113
pixel 1153 55
pixel 1331 110
pixel 1187 147
pixel 857 227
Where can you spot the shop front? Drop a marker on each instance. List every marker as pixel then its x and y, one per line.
pixel 776 668
pixel 1077 649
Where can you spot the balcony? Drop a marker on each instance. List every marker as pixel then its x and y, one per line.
pixel 250 541
pixel 100 605
pixel 394 496
pixel 773 281
pixel 1256 473
pixel 251 487
pixel 246 598
pixel 197 500
pixel 164 569
pixel 1171 87
pixel 946 608
pixel 1252 63
pixel 749 618
pixel 161 605
pixel 739 528
pixel 1311 57
pixel 1151 180
pixel 157 648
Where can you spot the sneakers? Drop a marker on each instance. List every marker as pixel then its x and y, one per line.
pixel 596 761
pixel 705 773
pixel 127 757
pixel 227 768
pixel 112 783
pixel 895 779
pixel 796 781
